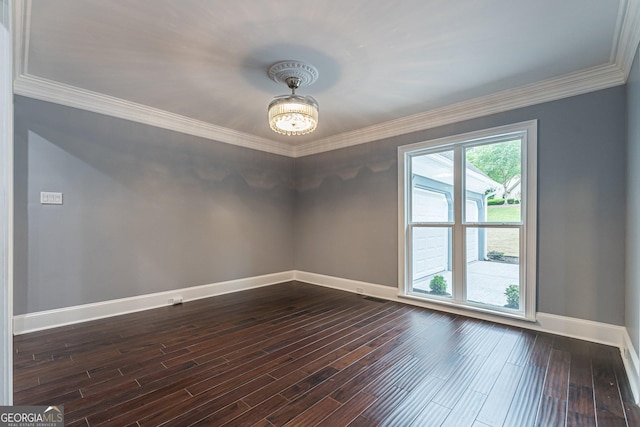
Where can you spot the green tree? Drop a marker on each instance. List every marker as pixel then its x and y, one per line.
pixel 500 162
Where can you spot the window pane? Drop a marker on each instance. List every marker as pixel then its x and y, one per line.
pixel 492 181
pixel 493 266
pixel 432 187
pixel 431 261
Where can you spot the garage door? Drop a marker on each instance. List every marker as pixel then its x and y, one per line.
pixel 430 245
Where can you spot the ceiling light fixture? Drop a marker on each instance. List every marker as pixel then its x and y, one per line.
pixel 293 114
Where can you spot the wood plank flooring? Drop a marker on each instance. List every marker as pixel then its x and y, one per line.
pixel 300 355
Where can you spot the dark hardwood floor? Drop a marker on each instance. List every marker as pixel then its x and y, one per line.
pixel 301 355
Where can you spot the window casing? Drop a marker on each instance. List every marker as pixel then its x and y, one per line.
pixel 447 227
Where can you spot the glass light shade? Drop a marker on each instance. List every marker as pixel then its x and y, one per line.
pixel 293 114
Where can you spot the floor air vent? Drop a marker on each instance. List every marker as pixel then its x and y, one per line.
pixel 374 299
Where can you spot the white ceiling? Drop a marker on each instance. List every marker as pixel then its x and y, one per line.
pixel 385 67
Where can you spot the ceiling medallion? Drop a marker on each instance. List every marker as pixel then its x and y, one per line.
pixel 293 114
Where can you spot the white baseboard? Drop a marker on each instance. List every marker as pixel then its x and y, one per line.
pixel 598 332
pixel 588 330
pixel 32 322
pixel 349 285
pixel 560 325
pixel 631 365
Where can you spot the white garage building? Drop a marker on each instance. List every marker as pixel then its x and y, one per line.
pixel 432 201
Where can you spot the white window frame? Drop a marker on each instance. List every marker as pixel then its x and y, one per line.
pixel 528 237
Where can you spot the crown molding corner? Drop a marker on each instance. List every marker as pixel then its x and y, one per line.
pixel 21 31
pixel 629 37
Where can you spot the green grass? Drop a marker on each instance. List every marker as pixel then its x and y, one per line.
pixel 506 213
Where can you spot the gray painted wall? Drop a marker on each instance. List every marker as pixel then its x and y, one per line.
pixel 148 210
pixel 632 309
pixel 346 205
pixel 145 209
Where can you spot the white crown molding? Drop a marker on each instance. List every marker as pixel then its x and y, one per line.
pixel 549 90
pixel 589 80
pixel 624 47
pixel 70 96
pixel 21 33
pixel 628 36
pixel 617 32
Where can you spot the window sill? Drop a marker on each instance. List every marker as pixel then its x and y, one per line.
pixel 461 308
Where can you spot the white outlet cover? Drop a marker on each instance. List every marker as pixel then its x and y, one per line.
pixel 50 198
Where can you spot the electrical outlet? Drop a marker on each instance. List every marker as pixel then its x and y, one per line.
pixel 175 300
pixel 359 291
pixel 50 198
